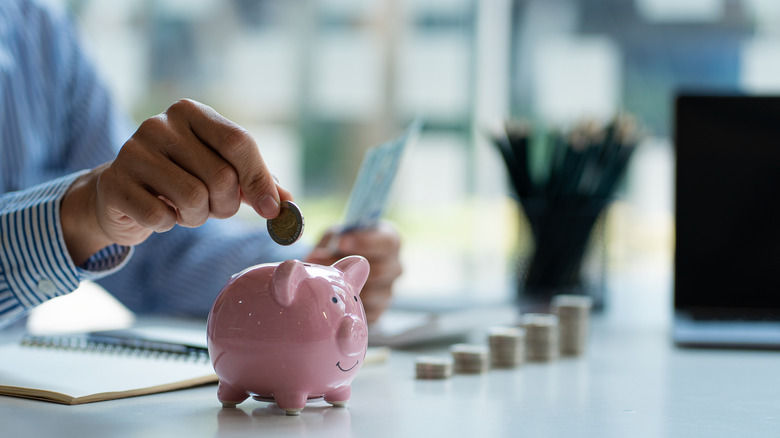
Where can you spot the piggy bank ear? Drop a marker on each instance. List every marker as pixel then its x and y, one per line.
pixel 355 269
pixel 288 277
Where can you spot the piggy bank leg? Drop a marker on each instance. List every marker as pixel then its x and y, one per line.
pixel 229 396
pixel 292 403
pixel 339 397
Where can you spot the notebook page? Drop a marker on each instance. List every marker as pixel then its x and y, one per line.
pixel 82 373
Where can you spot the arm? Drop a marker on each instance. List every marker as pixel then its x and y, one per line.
pixel 56 121
pixel 34 264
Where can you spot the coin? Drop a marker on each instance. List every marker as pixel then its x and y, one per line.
pixel 432 367
pixel 573 313
pixel 507 346
pixel 541 336
pixel 470 358
pixel 287 227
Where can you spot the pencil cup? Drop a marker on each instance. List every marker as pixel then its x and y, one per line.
pixel 562 252
pixel 564 182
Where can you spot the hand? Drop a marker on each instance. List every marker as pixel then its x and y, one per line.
pixel 380 246
pixel 180 167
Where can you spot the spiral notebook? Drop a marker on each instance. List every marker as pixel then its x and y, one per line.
pixel 111 365
pixel 85 369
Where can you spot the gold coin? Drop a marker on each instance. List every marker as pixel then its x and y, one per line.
pixel 287 227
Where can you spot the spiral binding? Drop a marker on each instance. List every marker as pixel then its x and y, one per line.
pixel 120 345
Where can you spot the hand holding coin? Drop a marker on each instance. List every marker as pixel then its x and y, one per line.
pixel 287 227
pixel 380 246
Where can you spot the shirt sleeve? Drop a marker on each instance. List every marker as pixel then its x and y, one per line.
pixel 35 265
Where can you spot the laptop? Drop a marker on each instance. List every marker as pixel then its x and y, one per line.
pixel 727 217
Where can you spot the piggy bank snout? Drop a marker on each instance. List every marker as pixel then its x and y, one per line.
pixel 352 335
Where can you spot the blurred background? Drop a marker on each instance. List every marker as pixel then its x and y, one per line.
pixel 319 82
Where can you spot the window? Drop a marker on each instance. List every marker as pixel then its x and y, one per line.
pixel 319 82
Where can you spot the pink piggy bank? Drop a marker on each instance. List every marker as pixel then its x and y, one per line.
pixel 289 332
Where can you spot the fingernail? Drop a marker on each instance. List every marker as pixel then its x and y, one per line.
pixel 269 208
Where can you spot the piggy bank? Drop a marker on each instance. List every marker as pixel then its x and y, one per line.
pixel 289 332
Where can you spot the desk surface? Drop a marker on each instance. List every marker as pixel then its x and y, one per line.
pixel 631 382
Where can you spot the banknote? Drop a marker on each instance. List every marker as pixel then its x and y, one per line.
pixel 371 190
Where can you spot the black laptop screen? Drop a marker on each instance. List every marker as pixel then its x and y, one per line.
pixel 727 206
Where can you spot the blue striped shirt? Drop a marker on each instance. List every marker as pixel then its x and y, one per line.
pixel 56 119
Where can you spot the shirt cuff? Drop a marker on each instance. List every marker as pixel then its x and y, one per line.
pixel 105 262
pixel 36 265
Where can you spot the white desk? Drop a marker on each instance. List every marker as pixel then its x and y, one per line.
pixel 630 384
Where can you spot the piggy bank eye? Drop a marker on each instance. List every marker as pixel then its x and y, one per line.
pixel 335 300
pixel 355 297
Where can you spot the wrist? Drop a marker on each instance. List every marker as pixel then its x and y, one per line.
pixel 81 230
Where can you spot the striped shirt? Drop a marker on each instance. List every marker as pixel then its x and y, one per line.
pixel 56 119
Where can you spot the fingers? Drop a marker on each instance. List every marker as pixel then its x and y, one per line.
pixel 377 293
pixel 127 218
pixel 186 198
pixel 284 194
pixel 234 145
pixel 375 243
pixel 380 246
pixel 182 167
pixel 211 172
pixel 321 255
pixel 375 302
pixel 162 186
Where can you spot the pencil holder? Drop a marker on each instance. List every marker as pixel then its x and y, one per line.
pixel 562 251
pixel 564 183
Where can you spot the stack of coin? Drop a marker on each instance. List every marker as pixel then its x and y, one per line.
pixel 573 315
pixel 541 336
pixel 507 346
pixel 433 367
pixel 470 358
